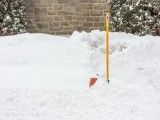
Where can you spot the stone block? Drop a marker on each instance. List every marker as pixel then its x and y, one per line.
pixel 57 7
pixel 29 9
pixel 68 28
pixel 99 24
pixel 69 32
pixel 83 13
pixel 48 18
pixel 72 13
pixel 68 8
pixel 55 28
pixel 42 26
pixel 100 7
pixel 87 29
pixel 54 24
pixel 37 18
pixel 104 1
pixel 40 11
pixel 68 18
pixel 64 23
pixel 50 8
pixel 80 18
pixel 62 12
pixel 86 7
pixel 52 12
pixel 84 1
pixel 93 18
pixel 94 1
pixel 58 18
pixel 79 8
pixel 68 2
pixel 45 3
pixel 96 13
pixel 103 18
pixel 88 24
pixel 74 23
pixel 61 33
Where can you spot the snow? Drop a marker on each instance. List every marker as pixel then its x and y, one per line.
pixel 29 59
pixel 138 2
pixel 130 8
pixel 46 77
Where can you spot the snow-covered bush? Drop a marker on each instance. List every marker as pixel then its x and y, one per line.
pixel 139 17
pixel 12 17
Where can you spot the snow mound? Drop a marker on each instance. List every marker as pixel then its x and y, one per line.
pixel 118 41
pixel 45 77
pixel 43 61
pixel 123 48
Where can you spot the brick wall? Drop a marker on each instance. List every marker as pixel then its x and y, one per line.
pixel 62 17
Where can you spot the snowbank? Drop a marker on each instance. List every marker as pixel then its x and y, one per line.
pixel 43 61
pixel 45 77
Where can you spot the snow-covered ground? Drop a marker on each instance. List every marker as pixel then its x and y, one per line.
pixel 45 77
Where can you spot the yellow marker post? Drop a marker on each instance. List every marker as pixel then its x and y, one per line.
pixel 107 47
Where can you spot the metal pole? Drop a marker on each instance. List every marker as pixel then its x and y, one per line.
pixel 107 47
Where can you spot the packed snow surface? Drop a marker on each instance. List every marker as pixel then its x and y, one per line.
pixel 46 77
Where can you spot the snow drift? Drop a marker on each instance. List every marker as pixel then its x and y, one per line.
pixel 45 77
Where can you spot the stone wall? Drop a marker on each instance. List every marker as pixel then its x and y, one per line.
pixel 62 17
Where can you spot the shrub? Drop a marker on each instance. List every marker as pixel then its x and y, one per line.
pixel 139 17
pixel 12 17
